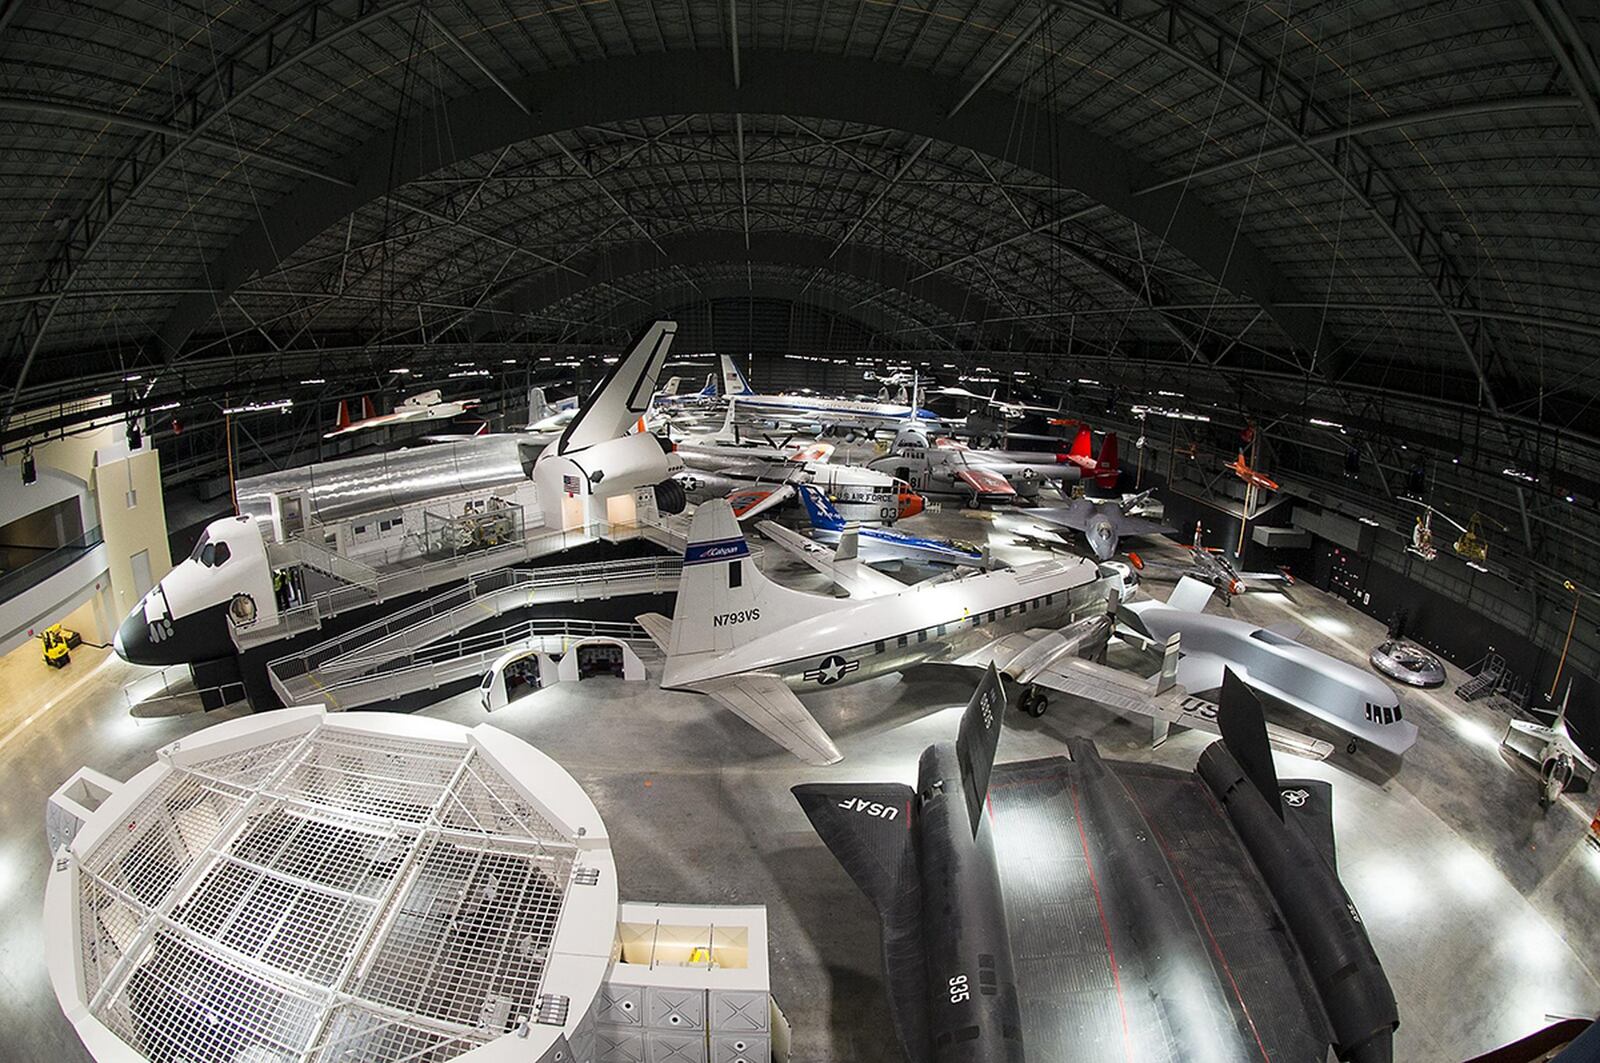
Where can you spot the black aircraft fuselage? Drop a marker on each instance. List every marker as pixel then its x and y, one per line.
pixel 971 986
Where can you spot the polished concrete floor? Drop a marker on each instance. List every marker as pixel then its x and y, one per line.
pixel 1478 904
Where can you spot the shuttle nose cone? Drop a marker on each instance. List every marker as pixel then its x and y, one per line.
pixel 133 639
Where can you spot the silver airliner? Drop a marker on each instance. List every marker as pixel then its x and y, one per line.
pixel 751 643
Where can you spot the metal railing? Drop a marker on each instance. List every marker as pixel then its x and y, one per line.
pixel 57 559
pixel 462 659
pixel 393 643
pixel 386 586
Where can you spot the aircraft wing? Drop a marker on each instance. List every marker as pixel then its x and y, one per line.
pixel 1143 526
pixel 985 481
pixel 753 502
pixel 1080 926
pixel 1529 740
pixel 855 577
pixel 766 704
pixel 1026 658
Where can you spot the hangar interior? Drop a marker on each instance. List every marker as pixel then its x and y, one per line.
pixel 1039 460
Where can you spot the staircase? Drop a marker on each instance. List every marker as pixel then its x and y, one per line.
pixel 1492 672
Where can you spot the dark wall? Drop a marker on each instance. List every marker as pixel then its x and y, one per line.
pixel 1458 634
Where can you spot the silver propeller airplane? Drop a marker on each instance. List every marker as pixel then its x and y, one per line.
pixel 750 643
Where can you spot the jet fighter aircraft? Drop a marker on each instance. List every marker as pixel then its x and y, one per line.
pixel 1102 523
pixel 1210 565
pixel 1563 767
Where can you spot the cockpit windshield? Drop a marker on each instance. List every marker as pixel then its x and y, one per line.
pixel 205 539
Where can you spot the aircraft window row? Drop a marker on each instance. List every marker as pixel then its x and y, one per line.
pixel 1383 713
pixel 213 554
pixel 902 641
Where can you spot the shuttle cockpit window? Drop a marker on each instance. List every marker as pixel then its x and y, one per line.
pixel 222 553
pixel 199 547
pixel 208 554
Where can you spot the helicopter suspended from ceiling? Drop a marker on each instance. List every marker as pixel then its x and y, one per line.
pixel 1472 545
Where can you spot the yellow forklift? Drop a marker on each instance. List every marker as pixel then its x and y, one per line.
pixel 58 645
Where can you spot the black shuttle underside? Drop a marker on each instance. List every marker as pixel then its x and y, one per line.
pixel 1139 927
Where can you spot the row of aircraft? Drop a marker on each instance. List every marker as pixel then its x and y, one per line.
pixel 753 644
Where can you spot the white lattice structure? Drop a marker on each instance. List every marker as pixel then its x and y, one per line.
pixel 357 887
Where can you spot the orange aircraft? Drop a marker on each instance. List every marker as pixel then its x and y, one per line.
pixel 1243 471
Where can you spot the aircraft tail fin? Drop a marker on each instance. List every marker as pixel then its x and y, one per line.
pixel 733 381
pixel 710 390
pixel 1106 469
pixel 1168 678
pixel 672 387
pixel 483 429
pixel 624 394
pixel 724 600
pixel 538 406
pixel 1561 714
pixel 1082 444
pixel 868 829
pixel 368 411
pixel 342 421
pixel 821 512
pixel 976 742
pixel 849 546
pixel 1190 595
pixel 1244 733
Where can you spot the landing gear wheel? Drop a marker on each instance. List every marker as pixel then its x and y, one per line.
pixel 670 498
pixel 1034 702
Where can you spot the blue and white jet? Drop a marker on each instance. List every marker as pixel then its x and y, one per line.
pixel 877 545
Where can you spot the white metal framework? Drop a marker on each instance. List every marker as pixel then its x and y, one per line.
pixel 348 891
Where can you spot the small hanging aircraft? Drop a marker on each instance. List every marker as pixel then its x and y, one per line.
pixel 424 406
pixel 1472 545
pixel 1243 471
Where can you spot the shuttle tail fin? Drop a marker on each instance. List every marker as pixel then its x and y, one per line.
pixel 976 742
pixel 623 395
pixel 724 600
pixel 733 382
